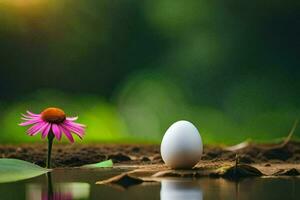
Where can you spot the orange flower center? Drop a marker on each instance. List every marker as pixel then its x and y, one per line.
pixel 53 115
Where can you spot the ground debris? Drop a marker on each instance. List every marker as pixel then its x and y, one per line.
pixel 124 180
pixel 181 173
pixel 239 146
pixel 119 157
pixel 245 159
pixel 278 153
pixel 287 172
pixel 236 172
pixel 128 179
pixel 80 154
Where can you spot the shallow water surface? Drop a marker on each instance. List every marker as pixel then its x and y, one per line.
pixel 75 184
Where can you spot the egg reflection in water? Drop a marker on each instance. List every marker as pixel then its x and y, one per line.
pixel 180 190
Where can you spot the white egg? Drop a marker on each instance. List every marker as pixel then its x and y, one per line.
pixel 181 146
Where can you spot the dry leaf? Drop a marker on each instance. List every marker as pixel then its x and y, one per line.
pixel 126 180
pixel 237 171
pixel 287 172
pixel 181 173
pixel 239 146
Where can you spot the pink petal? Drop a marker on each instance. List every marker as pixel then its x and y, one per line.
pixel 80 135
pixel 77 126
pixel 78 132
pixel 33 114
pixel 56 131
pixel 74 123
pixel 28 117
pixel 42 129
pixel 46 130
pixel 35 128
pixel 29 122
pixel 72 118
pixel 67 133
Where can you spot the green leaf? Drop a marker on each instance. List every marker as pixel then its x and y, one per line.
pixel 106 163
pixel 16 170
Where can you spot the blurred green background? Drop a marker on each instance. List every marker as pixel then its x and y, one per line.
pixel 129 68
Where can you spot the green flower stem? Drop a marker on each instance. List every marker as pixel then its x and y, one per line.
pixel 50 142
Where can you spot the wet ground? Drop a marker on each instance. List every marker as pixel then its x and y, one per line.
pixel 71 183
pixel 66 155
pixel 278 165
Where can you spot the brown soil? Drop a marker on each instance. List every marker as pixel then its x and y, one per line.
pixel 65 155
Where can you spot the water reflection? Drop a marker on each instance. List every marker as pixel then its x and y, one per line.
pixel 180 190
pixel 59 191
pixel 80 184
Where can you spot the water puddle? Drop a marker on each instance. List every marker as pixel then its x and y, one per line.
pixel 79 184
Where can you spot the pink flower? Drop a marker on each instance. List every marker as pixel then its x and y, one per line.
pixel 52 120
